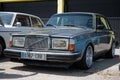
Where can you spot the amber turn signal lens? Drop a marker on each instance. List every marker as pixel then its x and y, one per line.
pixel 71 47
pixel 10 43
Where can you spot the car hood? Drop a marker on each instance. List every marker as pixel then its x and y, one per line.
pixel 61 32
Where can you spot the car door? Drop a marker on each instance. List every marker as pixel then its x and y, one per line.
pixel 103 33
pixel 22 21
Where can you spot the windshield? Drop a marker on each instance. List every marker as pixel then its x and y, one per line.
pixel 72 20
pixel 6 18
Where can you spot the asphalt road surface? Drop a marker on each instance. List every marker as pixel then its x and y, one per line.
pixel 102 69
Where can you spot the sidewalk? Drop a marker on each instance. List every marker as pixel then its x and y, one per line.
pixel 117 52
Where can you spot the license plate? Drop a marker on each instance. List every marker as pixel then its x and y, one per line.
pixel 33 56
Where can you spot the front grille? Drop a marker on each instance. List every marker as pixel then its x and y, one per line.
pixel 36 42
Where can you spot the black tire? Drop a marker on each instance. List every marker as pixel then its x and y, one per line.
pixel 87 59
pixel 1 50
pixel 111 52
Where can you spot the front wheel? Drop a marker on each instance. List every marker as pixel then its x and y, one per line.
pixel 1 49
pixel 87 59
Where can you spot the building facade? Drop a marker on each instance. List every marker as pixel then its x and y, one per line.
pixel 45 8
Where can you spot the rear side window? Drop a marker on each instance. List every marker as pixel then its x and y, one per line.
pixel 22 20
pixel 36 22
pixel 102 21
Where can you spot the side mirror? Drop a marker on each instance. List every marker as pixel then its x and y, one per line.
pixel 18 24
pixel 100 27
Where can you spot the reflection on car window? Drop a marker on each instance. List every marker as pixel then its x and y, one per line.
pixel 72 19
pixel 102 21
pixel 6 18
pixel 24 20
pixel 36 22
pixel 105 23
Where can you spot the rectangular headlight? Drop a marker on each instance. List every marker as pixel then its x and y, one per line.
pixel 58 43
pixel 18 41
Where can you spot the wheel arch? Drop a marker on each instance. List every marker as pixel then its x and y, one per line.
pixel 87 44
pixel 2 41
pixel 91 44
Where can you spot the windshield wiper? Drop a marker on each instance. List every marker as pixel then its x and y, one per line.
pixel 51 25
pixel 71 25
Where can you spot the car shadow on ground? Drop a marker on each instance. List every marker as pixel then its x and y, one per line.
pixel 3 59
pixel 4 75
pixel 99 65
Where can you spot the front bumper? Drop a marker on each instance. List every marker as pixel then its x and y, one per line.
pixel 52 56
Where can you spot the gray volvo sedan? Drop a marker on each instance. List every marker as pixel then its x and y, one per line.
pixel 68 38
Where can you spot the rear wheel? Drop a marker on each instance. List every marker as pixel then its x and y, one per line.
pixel 111 52
pixel 87 59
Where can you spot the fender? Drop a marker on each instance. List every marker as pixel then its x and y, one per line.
pixel 85 44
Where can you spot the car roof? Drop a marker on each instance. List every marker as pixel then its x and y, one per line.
pixel 91 13
pixel 20 13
